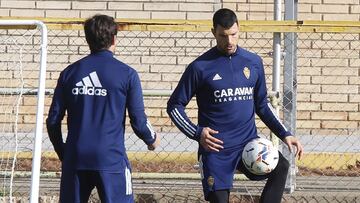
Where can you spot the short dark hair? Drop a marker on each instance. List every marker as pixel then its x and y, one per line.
pixel 100 31
pixel 225 18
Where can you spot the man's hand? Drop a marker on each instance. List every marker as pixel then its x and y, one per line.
pixel 293 141
pixel 209 142
pixel 154 145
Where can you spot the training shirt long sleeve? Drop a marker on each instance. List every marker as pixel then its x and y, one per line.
pixel 95 93
pixel 229 91
pixel 181 96
pixel 264 109
pixel 53 123
pixel 138 120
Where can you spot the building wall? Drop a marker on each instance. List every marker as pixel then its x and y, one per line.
pixel 178 9
pixel 328 65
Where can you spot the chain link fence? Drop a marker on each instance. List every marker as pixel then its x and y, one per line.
pixel 327 111
pixel 324 108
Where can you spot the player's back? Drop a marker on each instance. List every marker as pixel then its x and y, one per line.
pixel 96 89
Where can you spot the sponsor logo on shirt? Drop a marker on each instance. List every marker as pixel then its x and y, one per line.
pixel 89 85
pixel 233 94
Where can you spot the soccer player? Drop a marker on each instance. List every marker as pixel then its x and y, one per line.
pixel 229 84
pixel 95 92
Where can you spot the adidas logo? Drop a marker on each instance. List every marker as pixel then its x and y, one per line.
pixel 217 77
pixel 89 85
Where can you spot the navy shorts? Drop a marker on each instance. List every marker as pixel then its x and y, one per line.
pixel 112 187
pixel 217 170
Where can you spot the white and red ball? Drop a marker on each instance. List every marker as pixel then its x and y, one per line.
pixel 260 156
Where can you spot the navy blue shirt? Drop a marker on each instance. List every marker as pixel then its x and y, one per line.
pixel 229 91
pixel 95 92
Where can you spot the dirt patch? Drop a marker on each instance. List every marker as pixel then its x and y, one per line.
pixel 350 171
pixel 54 165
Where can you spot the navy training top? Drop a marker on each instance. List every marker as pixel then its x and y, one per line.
pixel 229 91
pixel 95 92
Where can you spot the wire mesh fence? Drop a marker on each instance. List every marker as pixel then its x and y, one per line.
pixel 326 89
pixel 327 107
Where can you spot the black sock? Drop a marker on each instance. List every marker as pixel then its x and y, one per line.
pixel 274 187
pixel 219 196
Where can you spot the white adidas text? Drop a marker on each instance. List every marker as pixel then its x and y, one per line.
pixel 89 91
pixel 89 85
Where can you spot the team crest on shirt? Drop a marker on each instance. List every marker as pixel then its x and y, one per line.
pixel 246 72
pixel 210 181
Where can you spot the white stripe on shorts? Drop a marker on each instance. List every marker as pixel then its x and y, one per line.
pixel 128 181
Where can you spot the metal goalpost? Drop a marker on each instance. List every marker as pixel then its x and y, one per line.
pixel 36 151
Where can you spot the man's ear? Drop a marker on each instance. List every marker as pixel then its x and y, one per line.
pixel 113 40
pixel 213 31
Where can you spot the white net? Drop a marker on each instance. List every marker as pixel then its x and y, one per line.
pixel 19 72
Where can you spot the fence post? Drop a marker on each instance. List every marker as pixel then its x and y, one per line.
pixel 276 67
pixel 289 89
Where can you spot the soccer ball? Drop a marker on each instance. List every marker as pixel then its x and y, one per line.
pixel 260 156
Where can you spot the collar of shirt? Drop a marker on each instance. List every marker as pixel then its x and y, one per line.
pixel 104 52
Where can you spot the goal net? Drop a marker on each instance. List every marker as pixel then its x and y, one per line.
pixel 22 87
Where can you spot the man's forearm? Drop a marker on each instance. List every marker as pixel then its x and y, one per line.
pixel 55 136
